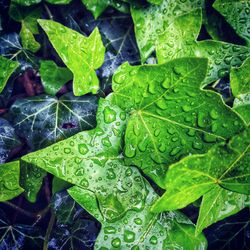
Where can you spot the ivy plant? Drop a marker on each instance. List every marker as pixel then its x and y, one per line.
pixel 124 124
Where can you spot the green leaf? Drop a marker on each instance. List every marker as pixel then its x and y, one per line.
pixel 9 181
pixel 240 85
pixel 142 229
pixel 225 166
pixel 95 164
pixel 43 120
pixel 82 55
pixel 26 2
pixel 53 77
pixel 218 204
pixel 240 79
pixel 97 7
pixel 59 1
pixel 170 115
pixel 7 68
pixel 8 140
pixel 153 22
pixel 28 19
pixel 59 185
pixel 236 12
pixel 31 180
pixel 175 36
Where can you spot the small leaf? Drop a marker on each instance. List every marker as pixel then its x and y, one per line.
pixel 8 140
pixel 241 106
pixel 7 68
pixel 82 55
pixel 218 204
pixel 26 2
pixel 225 166
pixel 9 181
pixel 53 77
pixel 237 14
pixel 170 115
pixel 51 119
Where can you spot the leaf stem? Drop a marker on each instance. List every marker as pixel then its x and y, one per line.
pixel 22 211
pixel 49 229
pixel 48 11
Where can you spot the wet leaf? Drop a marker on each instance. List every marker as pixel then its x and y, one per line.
pixel 224 166
pixel 8 140
pixel 141 229
pixel 28 19
pixel 43 119
pixel 53 77
pixel 32 2
pixel 82 55
pixel 237 13
pixel 7 68
pixel 177 37
pixel 218 204
pixel 19 236
pixel 170 115
pixel 9 181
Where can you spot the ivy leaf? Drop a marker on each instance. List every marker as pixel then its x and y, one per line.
pixel 142 229
pixel 170 115
pixel 53 77
pixel 8 139
pixel 28 19
pixel 19 236
pixel 236 13
pixel 98 6
pixel 240 85
pixel 31 180
pixel 149 29
pixel 7 68
pixel 218 204
pixel 9 181
pixel 82 55
pixel 177 38
pixel 95 164
pixel 59 185
pixel 224 166
pixel 32 2
pixel 80 231
pixel 51 119
pixel 232 231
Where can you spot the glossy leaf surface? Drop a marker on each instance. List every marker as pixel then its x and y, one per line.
pixel 53 77
pixel 82 55
pixel 225 166
pixel 9 181
pixel 170 115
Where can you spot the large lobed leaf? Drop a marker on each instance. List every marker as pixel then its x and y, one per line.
pixel 82 55
pixel 170 115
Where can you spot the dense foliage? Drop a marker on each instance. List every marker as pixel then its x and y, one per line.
pixel 124 124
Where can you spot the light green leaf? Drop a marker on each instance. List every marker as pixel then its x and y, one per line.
pixel 26 2
pixel 242 106
pixel 43 119
pixel 240 79
pixel 225 166
pixel 97 7
pixel 218 204
pixel 28 19
pixel 82 55
pixel 7 68
pixel 240 85
pixel 9 181
pixel 31 180
pixel 59 1
pixel 170 115
pixel 175 36
pixel 92 160
pixel 236 12
pixel 142 229
pixel 152 22
pixel 53 77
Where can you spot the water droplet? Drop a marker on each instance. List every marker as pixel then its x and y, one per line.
pixel 153 240
pixel 106 142
pixel 197 145
pixel 138 221
pixel 129 236
pixel 175 151
pixel 83 149
pixel 209 138
pixel 201 120
pixel 84 183
pixel 214 114
pixel 116 242
pixel 79 172
pixel 109 115
pixel 67 150
pixel 129 151
pixel 186 108
pixel 111 174
pixel 162 148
